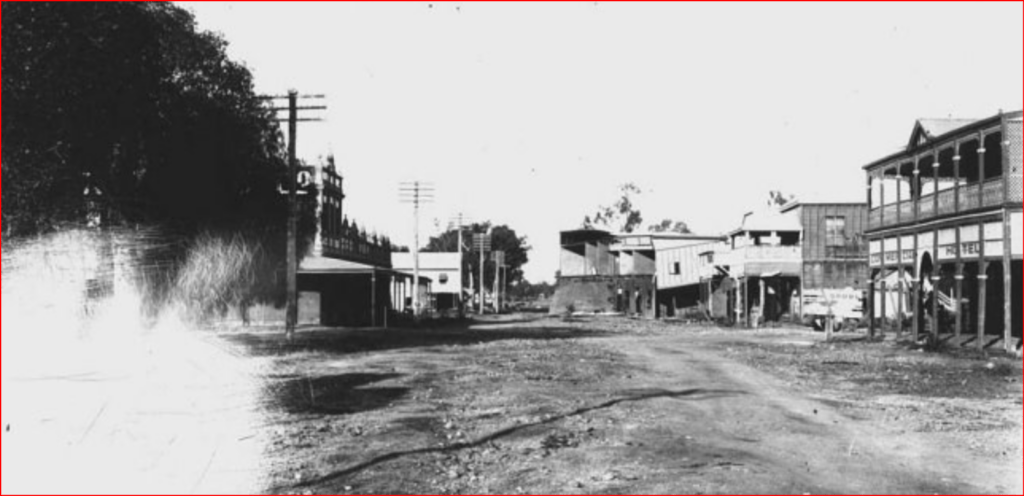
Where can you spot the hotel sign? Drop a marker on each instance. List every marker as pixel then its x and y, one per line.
pixel 966 250
pixel 909 256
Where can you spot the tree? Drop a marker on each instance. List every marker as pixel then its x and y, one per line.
pixel 779 199
pixel 668 226
pixel 503 238
pixel 621 216
pixel 132 100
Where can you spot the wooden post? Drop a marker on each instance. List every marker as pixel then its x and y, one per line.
pixel 872 297
pixel 885 304
pixel 900 289
pixel 736 309
pixel 762 295
pixel 981 169
pixel 935 197
pixel 982 302
pixel 916 325
pixel 956 175
pixel 373 298
pixel 935 306
pixel 918 283
pixel 711 299
pixel 747 306
pixel 292 255
pixel 1007 283
pixel 958 299
pixel 482 258
pixel 917 201
pixel 937 269
pixel 958 284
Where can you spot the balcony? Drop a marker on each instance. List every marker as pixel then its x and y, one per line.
pixel 768 253
pixel 357 247
pixel 972 197
pixel 755 261
pixel 992 194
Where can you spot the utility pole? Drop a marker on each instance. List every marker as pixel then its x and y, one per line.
pixel 482 243
pixel 499 263
pixel 292 274
pixel 459 221
pixel 416 193
pixel 292 191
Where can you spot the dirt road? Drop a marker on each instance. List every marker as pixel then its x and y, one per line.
pixel 613 406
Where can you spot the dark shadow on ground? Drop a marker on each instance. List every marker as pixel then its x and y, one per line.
pixel 350 341
pixel 631 397
pixel 343 394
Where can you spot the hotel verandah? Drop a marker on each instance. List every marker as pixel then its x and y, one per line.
pixel 945 232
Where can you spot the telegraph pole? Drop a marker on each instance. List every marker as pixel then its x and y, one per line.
pixel 482 243
pixel 459 221
pixel 292 191
pixel 417 193
pixel 499 262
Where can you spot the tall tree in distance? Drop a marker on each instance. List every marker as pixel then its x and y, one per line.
pixel 503 238
pixel 621 216
pixel 668 226
pixel 779 199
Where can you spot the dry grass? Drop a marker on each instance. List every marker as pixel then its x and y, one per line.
pixel 218 272
pixel 78 273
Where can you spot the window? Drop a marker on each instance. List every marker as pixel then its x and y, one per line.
pixel 835 231
pixel 443 279
pixel 676 269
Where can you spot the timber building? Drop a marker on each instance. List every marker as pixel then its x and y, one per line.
pixel 945 232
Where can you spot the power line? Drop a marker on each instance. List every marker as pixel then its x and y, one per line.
pixel 459 221
pixel 416 193
pixel 292 180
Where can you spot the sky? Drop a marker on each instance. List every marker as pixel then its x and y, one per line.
pixel 532 114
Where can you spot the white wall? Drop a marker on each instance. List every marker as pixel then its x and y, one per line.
pixel 688 258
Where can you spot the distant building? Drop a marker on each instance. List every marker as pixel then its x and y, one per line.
pixel 604 272
pixel 679 272
pixel 945 235
pixel 346 279
pixel 444 270
pixel 767 265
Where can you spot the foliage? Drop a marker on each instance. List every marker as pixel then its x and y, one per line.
pixel 503 238
pixel 132 100
pixel 668 226
pixel 621 216
pixel 133 103
pixel 219 272
pixel 779 199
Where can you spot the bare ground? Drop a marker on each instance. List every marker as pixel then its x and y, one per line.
pixel 613 406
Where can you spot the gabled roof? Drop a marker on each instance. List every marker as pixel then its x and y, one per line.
pixel 843 197
pixel 933 132
pixel 926 130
